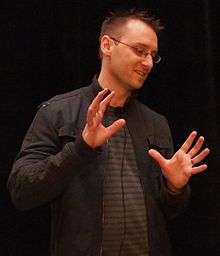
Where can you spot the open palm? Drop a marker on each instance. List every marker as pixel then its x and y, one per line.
pixel 180 167
pixel 95 133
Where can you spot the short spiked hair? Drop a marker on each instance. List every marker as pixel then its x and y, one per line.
pixel 116 20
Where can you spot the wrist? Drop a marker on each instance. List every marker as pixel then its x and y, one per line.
pixel 87 139
pixel 173 189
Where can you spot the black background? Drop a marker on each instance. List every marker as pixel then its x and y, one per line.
pixel 48 49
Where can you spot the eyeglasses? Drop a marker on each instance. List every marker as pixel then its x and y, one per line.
pixel 140 51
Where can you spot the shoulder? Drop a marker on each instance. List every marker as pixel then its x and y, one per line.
pixel 65 109
pixel 62 99
pixel 71 98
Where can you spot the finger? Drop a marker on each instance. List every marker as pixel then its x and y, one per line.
pixel 89 118
pixel 105 102
pixel 93 108
pixel 188 142
pixel 195 149
pixel 102 107
pixel 200 156
pixel 113 128
pixel 93 119
pixel 199 169
pixel 157 157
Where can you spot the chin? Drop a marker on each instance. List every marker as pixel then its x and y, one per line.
pixel 137 85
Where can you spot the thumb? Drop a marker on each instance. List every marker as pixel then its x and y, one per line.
pixel 117 125
pixel 157 157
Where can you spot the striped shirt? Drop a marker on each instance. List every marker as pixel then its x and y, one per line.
pixel 124 212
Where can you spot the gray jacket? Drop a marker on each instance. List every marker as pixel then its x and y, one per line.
pixel 56 166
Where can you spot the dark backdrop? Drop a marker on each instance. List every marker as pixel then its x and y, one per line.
pixel 50 49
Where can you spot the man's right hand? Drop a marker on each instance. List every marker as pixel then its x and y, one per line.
pixel 95 133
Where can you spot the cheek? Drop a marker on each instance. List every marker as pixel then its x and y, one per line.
pixel 123 64
pixel 121 57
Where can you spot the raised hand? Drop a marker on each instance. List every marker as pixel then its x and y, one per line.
pixel 94 133
pixel 184 163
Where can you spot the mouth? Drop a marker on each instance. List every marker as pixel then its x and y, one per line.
pixel 142 74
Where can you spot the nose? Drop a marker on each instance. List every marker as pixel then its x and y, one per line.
pixel 148 61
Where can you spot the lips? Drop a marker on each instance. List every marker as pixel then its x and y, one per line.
pixel 141 73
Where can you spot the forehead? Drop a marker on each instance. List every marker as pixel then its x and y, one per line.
pixel 136 31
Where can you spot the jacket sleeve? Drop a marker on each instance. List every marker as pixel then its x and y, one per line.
pixel 172 203
pixel 43 169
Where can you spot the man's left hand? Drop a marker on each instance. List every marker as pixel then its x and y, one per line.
pixel 184 163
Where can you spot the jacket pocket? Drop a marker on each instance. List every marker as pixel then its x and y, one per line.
pixel 161 144
pixel 66 134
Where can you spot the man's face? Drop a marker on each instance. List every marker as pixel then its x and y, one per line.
pixel 125 65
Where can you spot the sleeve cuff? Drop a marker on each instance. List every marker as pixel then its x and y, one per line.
pixel 83 149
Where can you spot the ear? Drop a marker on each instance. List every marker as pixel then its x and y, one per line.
pixel 106 45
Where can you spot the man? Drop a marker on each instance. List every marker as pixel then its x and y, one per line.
pixel 89 153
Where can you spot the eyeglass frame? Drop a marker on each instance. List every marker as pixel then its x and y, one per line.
pixel 144 53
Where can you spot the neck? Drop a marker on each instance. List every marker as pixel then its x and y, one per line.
pixel 106 80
